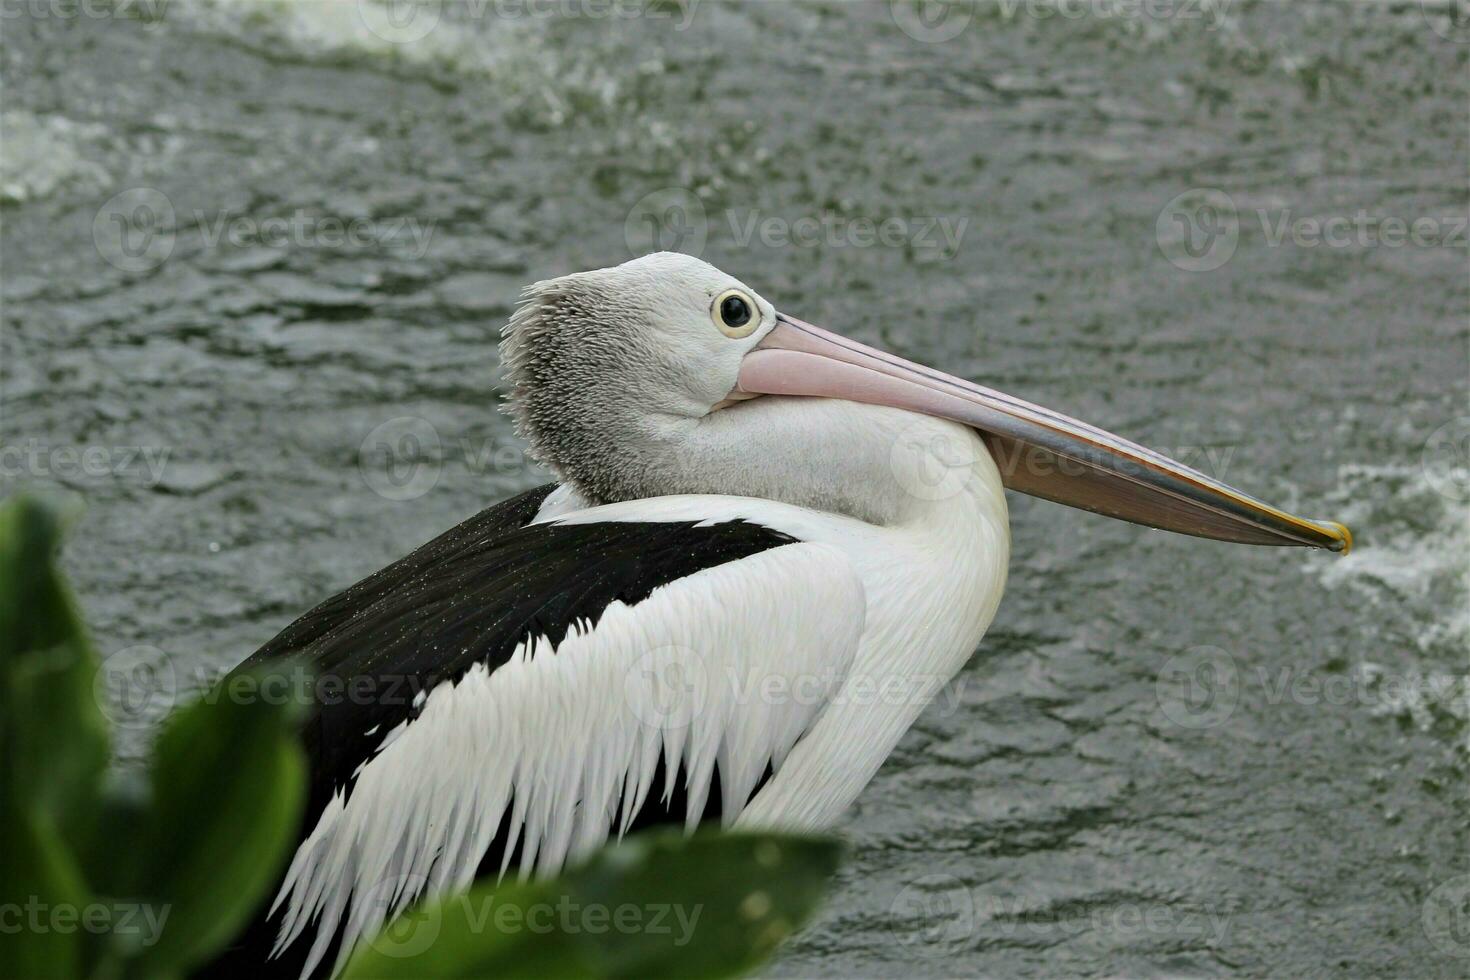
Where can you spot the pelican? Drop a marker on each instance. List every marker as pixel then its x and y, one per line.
pixel 767 548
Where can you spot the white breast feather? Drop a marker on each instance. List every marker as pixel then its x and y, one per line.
pixel 562 737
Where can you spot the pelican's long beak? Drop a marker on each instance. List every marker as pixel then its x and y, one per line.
pixel 1039 452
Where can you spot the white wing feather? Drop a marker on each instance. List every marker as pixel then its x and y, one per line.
pixel 728 665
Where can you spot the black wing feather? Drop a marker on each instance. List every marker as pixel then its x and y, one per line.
pixel 471 596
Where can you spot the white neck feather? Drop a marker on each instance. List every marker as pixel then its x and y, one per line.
pixel 933 579
pixel 868 462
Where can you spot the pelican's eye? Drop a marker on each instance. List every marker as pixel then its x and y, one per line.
pixel 734 313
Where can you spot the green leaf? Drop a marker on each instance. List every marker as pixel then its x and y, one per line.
pixel 661 905
pixel 229 780
pixel 53 737
pixel 42 883
pixel 53 749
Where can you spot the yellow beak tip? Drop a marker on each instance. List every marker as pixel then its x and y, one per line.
pixel 1343 543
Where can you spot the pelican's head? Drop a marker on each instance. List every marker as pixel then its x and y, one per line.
pixel 662 335
pixel 646 379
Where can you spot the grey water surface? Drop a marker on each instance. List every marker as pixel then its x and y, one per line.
pixel 256 257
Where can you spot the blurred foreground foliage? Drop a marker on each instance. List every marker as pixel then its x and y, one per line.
pixel 106 878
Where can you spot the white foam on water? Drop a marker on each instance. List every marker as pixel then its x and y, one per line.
pixel 1413 537
pixel 1413 554
pixel 45 155
pixel 477 39
pixel 424 36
